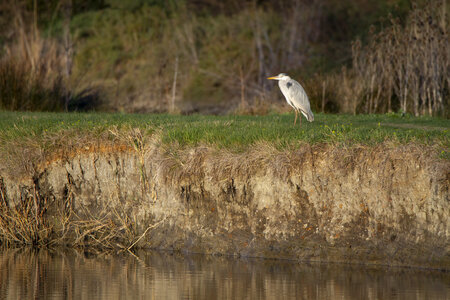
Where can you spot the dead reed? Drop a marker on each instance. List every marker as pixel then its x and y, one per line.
pixel 403 67
pixel 24 222
pixel 34 71
pixel 30 222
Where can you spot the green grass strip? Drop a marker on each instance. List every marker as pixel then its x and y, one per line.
pixel 237 132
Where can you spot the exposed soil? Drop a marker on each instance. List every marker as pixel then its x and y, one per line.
pixel 384 204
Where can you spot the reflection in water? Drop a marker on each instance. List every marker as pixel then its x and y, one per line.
pixel 28 274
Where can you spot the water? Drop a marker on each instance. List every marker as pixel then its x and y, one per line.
pixel 70 274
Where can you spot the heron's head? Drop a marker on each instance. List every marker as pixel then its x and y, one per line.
pixel 280 76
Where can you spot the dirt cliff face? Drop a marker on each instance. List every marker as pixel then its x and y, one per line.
pixel 380 204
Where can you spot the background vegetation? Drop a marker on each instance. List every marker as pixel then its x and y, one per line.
pixel 209 56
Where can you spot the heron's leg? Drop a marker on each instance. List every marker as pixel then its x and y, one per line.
pixel 295 120
pixel 300 120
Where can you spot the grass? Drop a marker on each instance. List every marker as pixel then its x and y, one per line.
pixel 234 132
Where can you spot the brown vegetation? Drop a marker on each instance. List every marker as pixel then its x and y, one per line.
pixel 214 57
pixel 28 221
pixel 31 68
pixel 408 64
pixel 24 223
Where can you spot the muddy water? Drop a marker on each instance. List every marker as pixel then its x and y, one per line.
pixel 70 274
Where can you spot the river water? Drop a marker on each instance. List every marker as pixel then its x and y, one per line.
pixel 70 274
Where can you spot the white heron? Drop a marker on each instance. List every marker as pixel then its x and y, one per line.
pixel 295 96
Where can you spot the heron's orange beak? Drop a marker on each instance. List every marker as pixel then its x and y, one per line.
pixel 273 77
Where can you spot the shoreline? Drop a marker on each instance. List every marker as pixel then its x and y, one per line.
pixel 325 203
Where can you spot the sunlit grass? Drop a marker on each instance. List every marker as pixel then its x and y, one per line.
pixel 234 132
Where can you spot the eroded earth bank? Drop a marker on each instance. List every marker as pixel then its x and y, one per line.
pixel 379 204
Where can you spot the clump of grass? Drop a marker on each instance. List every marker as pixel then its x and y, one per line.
pixel 23 89
pixel 29 222
pixel 24 222
pixel 35 70
pixel 31 69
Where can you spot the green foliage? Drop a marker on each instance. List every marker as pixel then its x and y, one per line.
pixel 203 88
pixel 138 4
pixel 222 51
pixel 123 52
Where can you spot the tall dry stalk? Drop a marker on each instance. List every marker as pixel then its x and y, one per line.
pixel 31 67
pixel 408 63
pixel 68 51
pixel 24 222
pixel 174 86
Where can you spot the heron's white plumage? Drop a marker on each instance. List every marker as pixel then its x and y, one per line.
pixel 295 95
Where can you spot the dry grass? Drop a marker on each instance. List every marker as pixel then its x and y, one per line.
pixel 403 67
pixel 24 222
pixel 37 152
pixel 29 222
pixel 181 166
pixel 32 68
pixel 36 70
